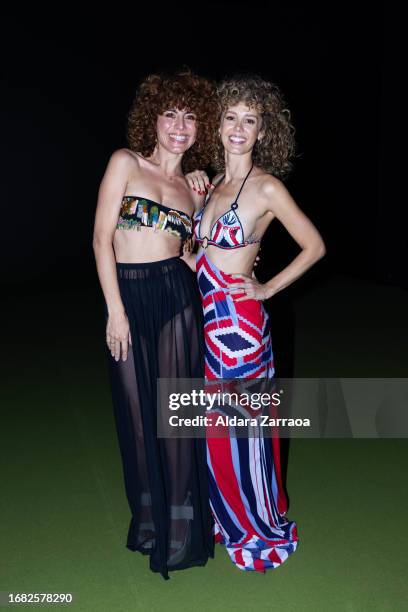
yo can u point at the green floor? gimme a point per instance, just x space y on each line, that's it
64 514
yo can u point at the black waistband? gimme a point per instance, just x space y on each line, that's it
148 264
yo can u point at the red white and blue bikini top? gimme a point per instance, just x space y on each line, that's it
227 231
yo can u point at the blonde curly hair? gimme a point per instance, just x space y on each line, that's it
273 153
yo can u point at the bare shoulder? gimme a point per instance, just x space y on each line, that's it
273 192
270 186
124 158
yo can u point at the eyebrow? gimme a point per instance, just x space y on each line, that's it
175 110
246 114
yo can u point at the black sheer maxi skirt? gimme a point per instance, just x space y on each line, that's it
165 479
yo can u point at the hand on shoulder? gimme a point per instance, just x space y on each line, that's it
198 181
200 186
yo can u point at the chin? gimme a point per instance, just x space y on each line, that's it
178 149
235 151
182 145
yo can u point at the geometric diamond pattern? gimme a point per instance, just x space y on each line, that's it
247 498
238 342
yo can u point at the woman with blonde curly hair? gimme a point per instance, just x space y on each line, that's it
143 224
252 148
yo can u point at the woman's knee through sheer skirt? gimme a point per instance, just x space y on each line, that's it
165 479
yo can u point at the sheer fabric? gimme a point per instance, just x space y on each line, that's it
165 479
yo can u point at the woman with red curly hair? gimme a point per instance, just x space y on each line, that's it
143 224
252 150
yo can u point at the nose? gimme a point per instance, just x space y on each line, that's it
180 124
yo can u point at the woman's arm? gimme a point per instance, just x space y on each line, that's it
200 184
190 259
302 230
111 191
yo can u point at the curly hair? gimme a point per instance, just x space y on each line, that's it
277 147
183 90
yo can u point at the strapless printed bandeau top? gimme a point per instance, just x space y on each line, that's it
139 212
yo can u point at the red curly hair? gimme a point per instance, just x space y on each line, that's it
183 90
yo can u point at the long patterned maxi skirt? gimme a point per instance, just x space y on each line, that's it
246 493
165 479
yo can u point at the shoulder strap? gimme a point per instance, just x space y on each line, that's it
242 186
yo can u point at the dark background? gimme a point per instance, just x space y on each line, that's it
68 81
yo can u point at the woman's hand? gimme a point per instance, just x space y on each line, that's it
256 262
198 181
118 335
253 289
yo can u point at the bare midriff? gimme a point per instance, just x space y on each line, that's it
233 261
144 245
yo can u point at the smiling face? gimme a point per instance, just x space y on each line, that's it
241 127
176 130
